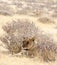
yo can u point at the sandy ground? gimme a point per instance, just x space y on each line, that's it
49 29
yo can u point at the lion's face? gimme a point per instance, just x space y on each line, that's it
28 43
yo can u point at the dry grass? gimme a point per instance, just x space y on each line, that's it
23 35
16 31
45 20
54 15
47 48
42 47
6 9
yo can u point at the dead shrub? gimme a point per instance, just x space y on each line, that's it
23 35
45 20
41 46
16 31
47 48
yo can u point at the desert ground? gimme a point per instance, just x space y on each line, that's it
42 13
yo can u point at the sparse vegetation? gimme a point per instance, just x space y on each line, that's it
27 7
45 20
43 47
23 35
6 9
54 15
16 32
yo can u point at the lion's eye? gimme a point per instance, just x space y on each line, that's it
27 42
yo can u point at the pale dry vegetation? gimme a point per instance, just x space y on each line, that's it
24 35
54 15
42 47
6 9
45 20
27 7
16 32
